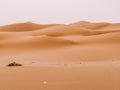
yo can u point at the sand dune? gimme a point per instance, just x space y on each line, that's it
9 35
21 27
89 25
77 56
35 42
52 35
97 26
63 30
108 38
111 27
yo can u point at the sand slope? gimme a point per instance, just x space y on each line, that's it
35 42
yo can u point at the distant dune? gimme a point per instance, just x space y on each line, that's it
21 27
97 26
24 35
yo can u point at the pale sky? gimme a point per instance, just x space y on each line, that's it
59 11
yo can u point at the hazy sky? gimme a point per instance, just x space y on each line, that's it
59 11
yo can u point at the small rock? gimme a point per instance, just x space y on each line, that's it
14 64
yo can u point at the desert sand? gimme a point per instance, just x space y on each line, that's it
77 56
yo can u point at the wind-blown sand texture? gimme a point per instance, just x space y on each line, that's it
77 56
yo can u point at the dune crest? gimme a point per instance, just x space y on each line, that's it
89 25
21 27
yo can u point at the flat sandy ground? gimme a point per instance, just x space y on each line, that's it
87 76
78 56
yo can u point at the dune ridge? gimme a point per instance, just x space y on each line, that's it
31 36
22 27
97 26
25 32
